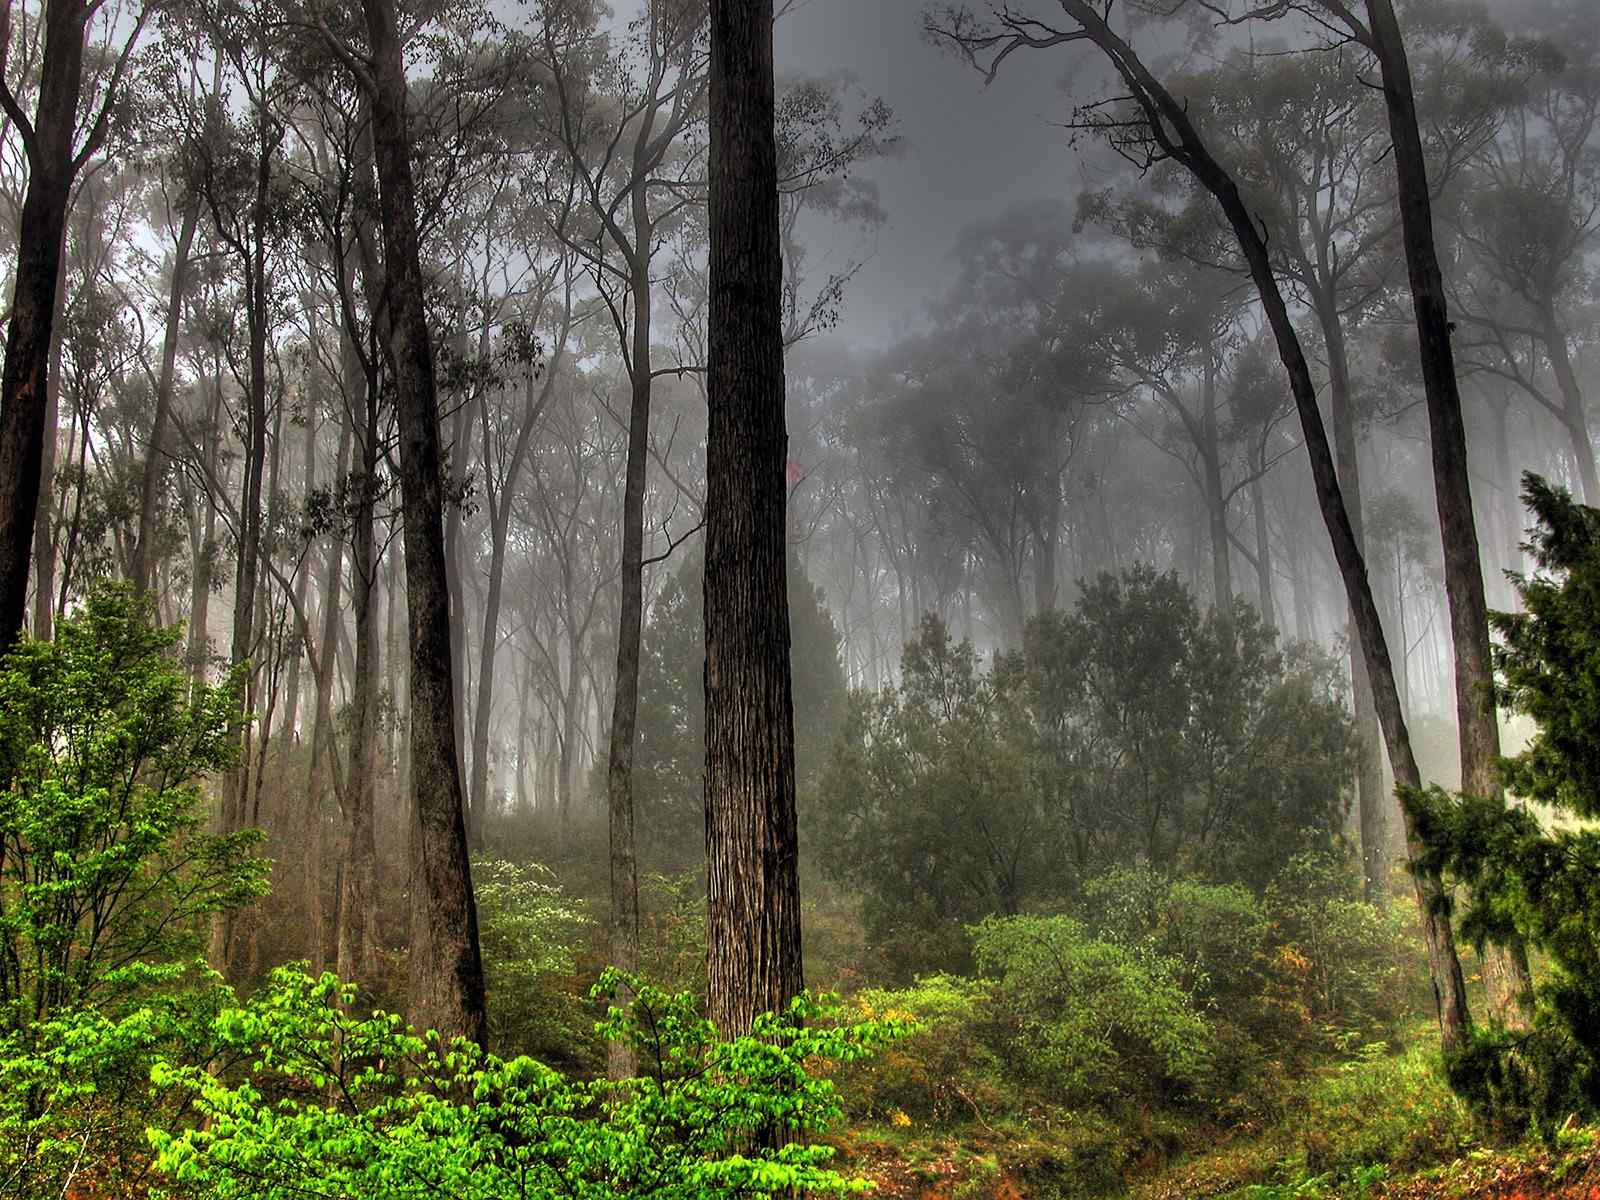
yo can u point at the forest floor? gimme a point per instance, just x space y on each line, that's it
967 1165
983 1163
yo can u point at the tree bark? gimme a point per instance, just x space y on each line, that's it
1505 967
752 849
47 141
447 991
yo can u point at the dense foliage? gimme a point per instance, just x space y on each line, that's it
1530 874
365 1109
1135 729
107 885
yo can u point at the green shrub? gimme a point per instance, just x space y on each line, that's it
1089 1020
107 885
948 1069
528 928
365 1109
1343 970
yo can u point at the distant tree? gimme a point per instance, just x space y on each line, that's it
1132 730
672 709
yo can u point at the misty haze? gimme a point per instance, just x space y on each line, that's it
756 598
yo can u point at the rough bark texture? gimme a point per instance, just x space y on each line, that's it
446 966
1505 967
752 879
33 305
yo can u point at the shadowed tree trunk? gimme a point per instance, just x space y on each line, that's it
446 965
1505 968
47 141
752 852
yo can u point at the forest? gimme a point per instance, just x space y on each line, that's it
757 598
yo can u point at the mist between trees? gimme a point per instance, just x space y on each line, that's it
459 532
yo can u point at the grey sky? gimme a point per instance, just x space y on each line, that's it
972 152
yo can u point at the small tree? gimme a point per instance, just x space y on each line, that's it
1528 878
106 882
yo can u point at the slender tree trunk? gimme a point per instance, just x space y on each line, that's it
1372 801
1574 411
44 536
624 870
752 846
155 462
322 735
354 939
1505 967
446 964
1258 505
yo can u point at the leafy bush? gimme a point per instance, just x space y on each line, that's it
365 1109
107 882
528 927
1344 970
947 1069
1090 1020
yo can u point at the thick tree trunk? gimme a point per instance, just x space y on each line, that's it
40 230
446 965
1505 967
752 847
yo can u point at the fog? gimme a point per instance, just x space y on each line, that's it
1117 455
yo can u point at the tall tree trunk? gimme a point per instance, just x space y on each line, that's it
322 735
1258 505
1372 802
40 237
354 937
500 524
1505 967
752 846
624 868
446 964
155 462
44 534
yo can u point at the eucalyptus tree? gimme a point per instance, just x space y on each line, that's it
1525 216
56 154
753 957
627 114
1152 125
